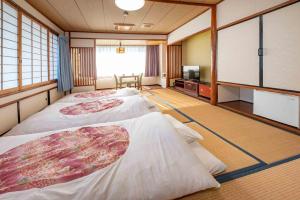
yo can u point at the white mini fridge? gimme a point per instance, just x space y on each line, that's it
278 107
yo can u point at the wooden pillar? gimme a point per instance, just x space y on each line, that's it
168 62
214 87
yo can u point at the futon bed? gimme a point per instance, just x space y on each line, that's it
140 158
66 115
99 94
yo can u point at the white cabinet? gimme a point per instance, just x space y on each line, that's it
279 107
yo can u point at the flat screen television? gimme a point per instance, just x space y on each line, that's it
191 73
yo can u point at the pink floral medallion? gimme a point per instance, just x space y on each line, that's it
95 94
91 107
61 157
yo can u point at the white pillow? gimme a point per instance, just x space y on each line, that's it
212 163
188 134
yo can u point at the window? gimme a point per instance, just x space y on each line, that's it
109 62
9 47
53 45
34 52
28 40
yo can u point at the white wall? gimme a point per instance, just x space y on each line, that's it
163 65
229 11
82 42
246 95
196 25
226 94
26 6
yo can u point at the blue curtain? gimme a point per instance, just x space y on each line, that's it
64 75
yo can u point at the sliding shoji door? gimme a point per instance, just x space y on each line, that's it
237 59
282 48
8 47
53 55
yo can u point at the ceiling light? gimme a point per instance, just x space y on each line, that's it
130 5
123 26
147 25
120 49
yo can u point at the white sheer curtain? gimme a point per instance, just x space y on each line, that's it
109 62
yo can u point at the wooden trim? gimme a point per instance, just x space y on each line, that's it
183 3
288 92
13 91
214 32
282 5
48 52
26 97
1 57
262 119
18 111
20 49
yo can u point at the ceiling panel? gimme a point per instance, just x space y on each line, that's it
92 11
100 15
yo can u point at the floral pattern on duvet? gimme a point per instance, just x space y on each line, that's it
95 94
91 107
61 157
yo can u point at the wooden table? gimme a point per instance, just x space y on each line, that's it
135 81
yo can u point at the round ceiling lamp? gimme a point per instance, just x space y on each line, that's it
130 5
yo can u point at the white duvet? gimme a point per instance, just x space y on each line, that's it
124 92
158 164
51 119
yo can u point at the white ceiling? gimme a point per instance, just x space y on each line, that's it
100 15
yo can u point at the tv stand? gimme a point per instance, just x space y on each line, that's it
193 88
187 86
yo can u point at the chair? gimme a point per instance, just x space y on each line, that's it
140 87
118 84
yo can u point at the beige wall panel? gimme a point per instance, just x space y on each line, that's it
282 48
82 42
27 93
33 105
55 95
8 118
196 25
237 58
233 10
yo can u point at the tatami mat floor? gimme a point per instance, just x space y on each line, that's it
277 183
246 146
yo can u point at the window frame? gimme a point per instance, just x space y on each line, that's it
20 87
